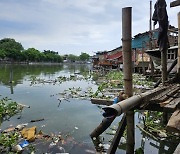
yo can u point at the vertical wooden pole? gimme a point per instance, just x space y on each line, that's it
106 122
127 69
11 78
150 19
150 39
164 66
127 51
165 118
164 62
143 67
118 135
178 65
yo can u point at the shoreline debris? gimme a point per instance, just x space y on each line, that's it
37 120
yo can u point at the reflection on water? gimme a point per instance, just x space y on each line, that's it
75 118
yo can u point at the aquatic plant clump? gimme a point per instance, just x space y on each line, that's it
115 79
138 79
8 108
154 127
59 80
8 140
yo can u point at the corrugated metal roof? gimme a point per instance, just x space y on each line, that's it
114 56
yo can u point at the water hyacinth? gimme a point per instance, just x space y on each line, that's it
8 108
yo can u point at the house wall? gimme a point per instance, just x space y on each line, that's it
142 40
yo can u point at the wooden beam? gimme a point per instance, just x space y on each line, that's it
178 65
101 101
106 122
118 135
175 3
177 151
174 122
168 71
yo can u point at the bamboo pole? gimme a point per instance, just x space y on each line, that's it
168 71
143 67
164 66
150 39
127 70
127 51
175 3
118 135
129 103
106 122
178 66
11 79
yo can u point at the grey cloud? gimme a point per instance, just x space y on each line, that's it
71 25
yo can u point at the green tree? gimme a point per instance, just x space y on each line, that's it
2 54
11 48
32 54
84 56
52 56
72 57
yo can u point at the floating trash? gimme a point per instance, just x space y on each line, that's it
52 144
24 143
106 146
29 133
21 126
123 140
17 148
76 128
89 151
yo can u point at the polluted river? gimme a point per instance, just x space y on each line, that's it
56 100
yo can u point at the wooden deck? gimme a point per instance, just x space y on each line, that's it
166 100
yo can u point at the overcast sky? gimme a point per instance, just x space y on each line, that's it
73 26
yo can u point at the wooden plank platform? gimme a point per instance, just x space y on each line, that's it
101 101
115 90
164 99
169 99
165 94
172 105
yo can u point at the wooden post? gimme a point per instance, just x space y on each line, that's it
127 69
175 3
118 135
143 67
150 39
168 71
178 66
164 66
106 122
11 78
127 51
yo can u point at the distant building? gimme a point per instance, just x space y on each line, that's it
140 43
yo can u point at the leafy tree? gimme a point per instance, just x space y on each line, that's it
32 54
72 57
11 48
84 56
14 50
42 56
52 56
2 54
